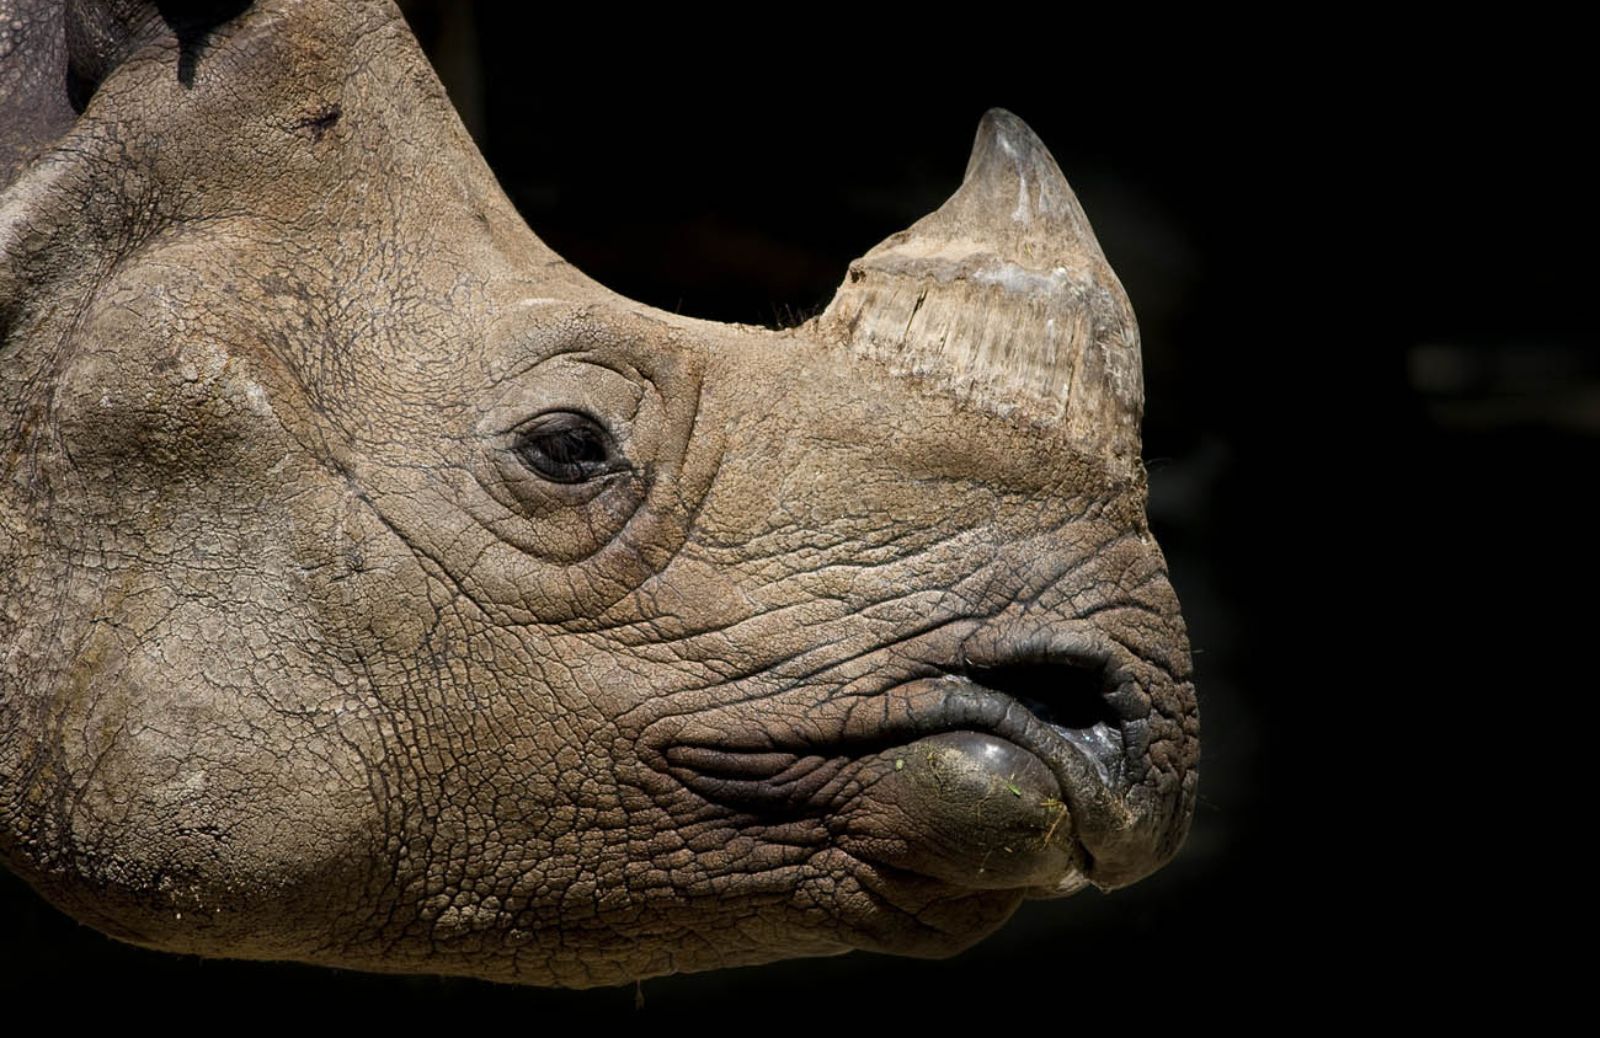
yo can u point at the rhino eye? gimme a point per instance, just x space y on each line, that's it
566 447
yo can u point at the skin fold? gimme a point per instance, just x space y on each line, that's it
848 635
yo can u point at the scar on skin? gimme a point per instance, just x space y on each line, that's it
317 124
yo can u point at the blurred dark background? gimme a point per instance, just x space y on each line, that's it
1361 265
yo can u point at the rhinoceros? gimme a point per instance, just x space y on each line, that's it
382 592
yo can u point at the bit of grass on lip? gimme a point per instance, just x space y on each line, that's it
1061 815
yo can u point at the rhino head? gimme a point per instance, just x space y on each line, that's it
381 591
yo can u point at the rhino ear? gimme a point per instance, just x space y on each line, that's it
101 34
1003 296
53 56
34 108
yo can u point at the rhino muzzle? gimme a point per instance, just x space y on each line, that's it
381 591
1022 760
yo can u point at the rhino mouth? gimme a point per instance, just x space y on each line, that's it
1012 771
1083 699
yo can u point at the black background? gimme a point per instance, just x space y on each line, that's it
1360 257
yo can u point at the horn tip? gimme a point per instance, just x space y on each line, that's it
1003 121
1006 142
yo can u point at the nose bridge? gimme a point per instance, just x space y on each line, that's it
901 440
867 482
821 449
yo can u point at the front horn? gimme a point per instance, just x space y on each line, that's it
1003 296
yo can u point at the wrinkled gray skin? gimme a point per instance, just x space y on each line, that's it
858 638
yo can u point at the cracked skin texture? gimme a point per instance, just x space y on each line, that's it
299 660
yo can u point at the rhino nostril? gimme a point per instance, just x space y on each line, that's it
1067 695
1074 696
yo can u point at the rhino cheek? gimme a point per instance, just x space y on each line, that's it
192 693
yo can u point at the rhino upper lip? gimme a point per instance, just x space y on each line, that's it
1078 689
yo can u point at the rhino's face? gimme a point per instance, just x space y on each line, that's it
382 592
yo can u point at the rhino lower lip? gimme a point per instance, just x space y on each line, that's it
1086 761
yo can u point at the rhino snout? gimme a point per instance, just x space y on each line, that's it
1023 765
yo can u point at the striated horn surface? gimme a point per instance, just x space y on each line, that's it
1003 296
